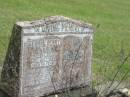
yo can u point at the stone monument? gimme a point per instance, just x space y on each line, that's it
46 56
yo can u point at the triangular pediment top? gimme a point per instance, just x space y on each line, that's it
51 20
55 24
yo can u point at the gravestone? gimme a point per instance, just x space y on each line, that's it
46 56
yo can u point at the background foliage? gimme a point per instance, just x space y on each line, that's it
110 18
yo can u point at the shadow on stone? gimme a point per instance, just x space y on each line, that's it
3 94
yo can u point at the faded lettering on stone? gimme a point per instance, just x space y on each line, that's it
40 57
60 27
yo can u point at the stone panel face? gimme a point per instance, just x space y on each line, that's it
46 56
41 59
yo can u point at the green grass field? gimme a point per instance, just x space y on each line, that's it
111 16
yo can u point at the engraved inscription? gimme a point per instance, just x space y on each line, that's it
41 52
59 27
43 56
73 59
41 61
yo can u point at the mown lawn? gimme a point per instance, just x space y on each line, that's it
110 19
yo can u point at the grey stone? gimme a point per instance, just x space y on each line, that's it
46 56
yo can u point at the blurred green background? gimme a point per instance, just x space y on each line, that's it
110 19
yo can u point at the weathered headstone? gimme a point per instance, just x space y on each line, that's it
46 56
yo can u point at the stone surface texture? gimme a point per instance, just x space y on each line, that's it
46 56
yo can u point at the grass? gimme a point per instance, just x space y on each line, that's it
112 16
